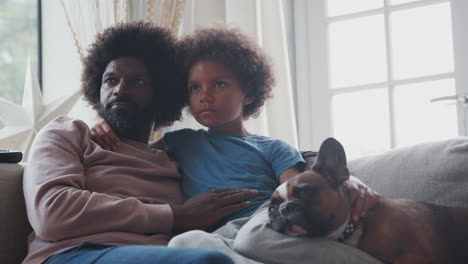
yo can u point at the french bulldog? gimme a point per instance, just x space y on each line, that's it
315 203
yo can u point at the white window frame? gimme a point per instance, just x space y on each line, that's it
313 69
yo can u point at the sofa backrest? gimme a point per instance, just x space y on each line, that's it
14 225
434 172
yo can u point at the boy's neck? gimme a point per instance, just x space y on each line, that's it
231 130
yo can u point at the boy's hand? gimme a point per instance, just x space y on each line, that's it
205 209
363 199
103 134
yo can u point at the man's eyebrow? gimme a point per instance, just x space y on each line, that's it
142 75
108 73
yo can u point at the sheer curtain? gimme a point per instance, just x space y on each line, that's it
86 18
264 21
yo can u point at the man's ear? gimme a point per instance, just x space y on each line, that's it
331 162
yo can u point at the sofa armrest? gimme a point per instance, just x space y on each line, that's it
14 225
434 172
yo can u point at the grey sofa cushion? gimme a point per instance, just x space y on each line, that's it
435 172
14 225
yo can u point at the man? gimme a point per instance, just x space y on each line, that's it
89 205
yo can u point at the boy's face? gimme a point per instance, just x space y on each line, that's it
216 99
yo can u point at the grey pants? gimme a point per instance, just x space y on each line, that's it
251 240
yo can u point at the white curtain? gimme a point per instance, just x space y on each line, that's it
264 21
86 18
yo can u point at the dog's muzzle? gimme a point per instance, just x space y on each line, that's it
289 218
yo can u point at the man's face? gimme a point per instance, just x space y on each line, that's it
126 96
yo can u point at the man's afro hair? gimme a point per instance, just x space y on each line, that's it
153 45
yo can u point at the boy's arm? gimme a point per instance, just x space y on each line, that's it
363 198
285 160
158 144
287 174
103 134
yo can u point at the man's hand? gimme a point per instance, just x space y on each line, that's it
205 209
103 134
363 199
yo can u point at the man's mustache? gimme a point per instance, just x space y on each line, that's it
121 100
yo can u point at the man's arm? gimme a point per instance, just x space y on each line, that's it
58 203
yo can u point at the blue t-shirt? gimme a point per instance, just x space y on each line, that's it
214 160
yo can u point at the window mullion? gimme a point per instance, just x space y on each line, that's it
390 78
460 51
39 40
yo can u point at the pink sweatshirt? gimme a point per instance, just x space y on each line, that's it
77 191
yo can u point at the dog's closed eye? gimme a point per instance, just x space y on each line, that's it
305 192
274 203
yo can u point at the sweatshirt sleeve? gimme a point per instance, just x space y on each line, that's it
58 204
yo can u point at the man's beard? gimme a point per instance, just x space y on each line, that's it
126 123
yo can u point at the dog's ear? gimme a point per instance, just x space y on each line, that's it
331 162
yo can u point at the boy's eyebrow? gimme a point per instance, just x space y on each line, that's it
226 76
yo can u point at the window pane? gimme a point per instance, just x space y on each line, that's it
422 41
340 7
397 2
417 119
18 40
357 51
361 122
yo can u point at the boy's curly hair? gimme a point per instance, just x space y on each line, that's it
236 51
153 45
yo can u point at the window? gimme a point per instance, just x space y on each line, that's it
19 39
390 64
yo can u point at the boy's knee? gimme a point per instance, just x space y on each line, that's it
187 239
246 241
253 235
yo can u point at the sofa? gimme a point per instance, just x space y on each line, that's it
435 172
14 225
